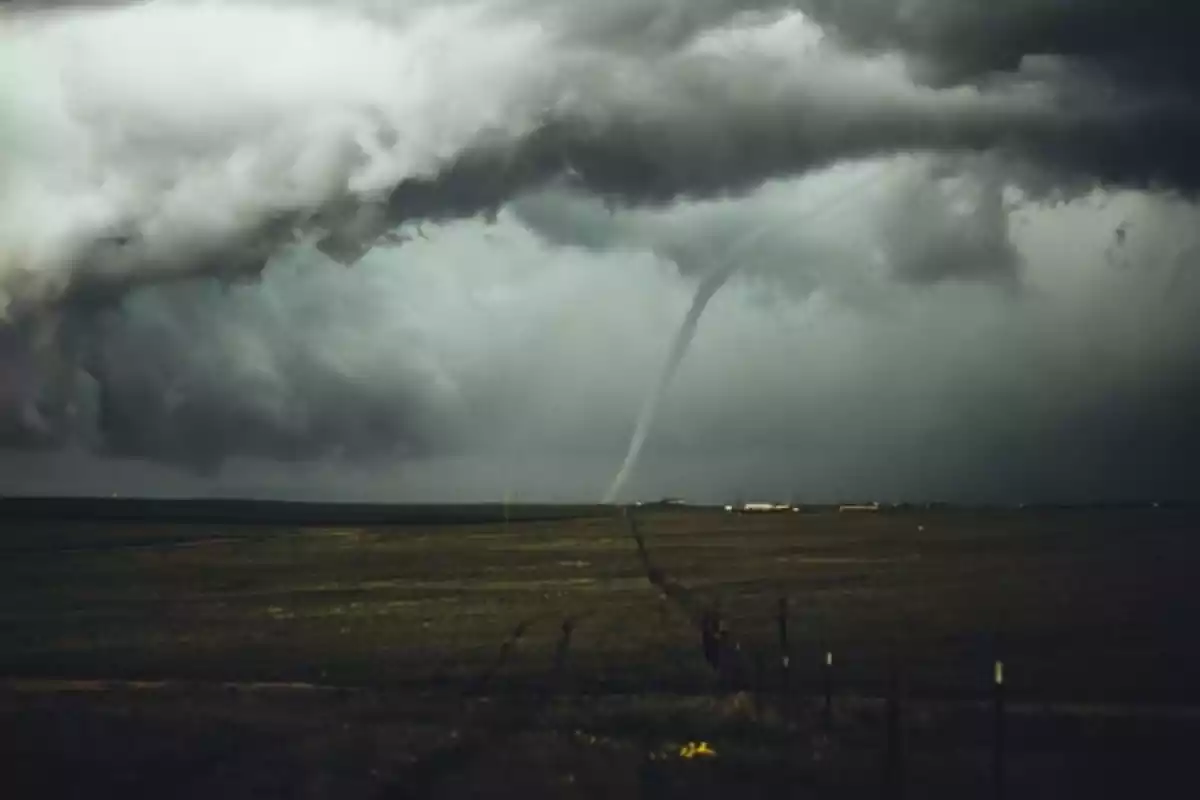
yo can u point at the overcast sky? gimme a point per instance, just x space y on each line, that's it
439 251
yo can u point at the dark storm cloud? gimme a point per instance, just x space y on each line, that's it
698 150
194 374
1125 81
1147 41
729 102
937 219
643 109
954 224
1110 49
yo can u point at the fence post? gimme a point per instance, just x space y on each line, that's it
827 679
998 735
560 656
785 656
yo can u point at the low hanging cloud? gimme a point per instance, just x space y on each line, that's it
477 356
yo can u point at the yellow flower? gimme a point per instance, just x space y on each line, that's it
694 749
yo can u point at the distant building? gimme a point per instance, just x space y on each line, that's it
852 507
760 508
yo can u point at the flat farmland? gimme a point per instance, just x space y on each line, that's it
1089 610
1085 606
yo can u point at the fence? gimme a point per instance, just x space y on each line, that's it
768 675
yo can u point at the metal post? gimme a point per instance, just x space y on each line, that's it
998 735
827 675
785 658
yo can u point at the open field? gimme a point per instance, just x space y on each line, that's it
399 629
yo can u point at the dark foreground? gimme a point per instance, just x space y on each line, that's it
429 659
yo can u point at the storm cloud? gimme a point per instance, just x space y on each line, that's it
960 237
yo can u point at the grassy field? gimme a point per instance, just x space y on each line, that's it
400 629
